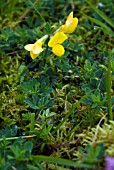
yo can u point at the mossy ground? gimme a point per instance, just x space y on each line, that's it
69 119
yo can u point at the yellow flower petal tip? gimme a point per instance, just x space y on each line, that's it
70 24
58 50
29 47
58 38
36 48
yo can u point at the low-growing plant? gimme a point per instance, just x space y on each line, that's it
65 79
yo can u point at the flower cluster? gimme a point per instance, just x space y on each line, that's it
56 40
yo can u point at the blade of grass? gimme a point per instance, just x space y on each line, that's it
61 161
37 10
106 29
108 88
101 14
32 122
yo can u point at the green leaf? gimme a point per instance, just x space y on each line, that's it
30 87
30 103
28 146
8 131
29 166
48 29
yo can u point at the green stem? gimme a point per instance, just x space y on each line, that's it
14 138
33 4
46 50
45 53
110 115
32 122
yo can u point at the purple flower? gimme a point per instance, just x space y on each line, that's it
109 163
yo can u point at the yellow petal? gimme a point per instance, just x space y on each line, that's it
70 24
63 28
37 48
70 16
33 56
71 28
58 38
38 43
69 19
29 47
58 50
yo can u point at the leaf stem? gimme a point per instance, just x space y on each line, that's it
109 103
46 50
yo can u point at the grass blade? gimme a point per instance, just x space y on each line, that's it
108 87
101 14
105 28
61 161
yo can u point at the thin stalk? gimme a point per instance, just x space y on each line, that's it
33 4
46 50
32 122
109 81
45 53
14 138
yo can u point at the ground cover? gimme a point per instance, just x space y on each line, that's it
57 109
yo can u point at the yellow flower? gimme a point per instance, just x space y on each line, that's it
70 24
56 41
36 48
